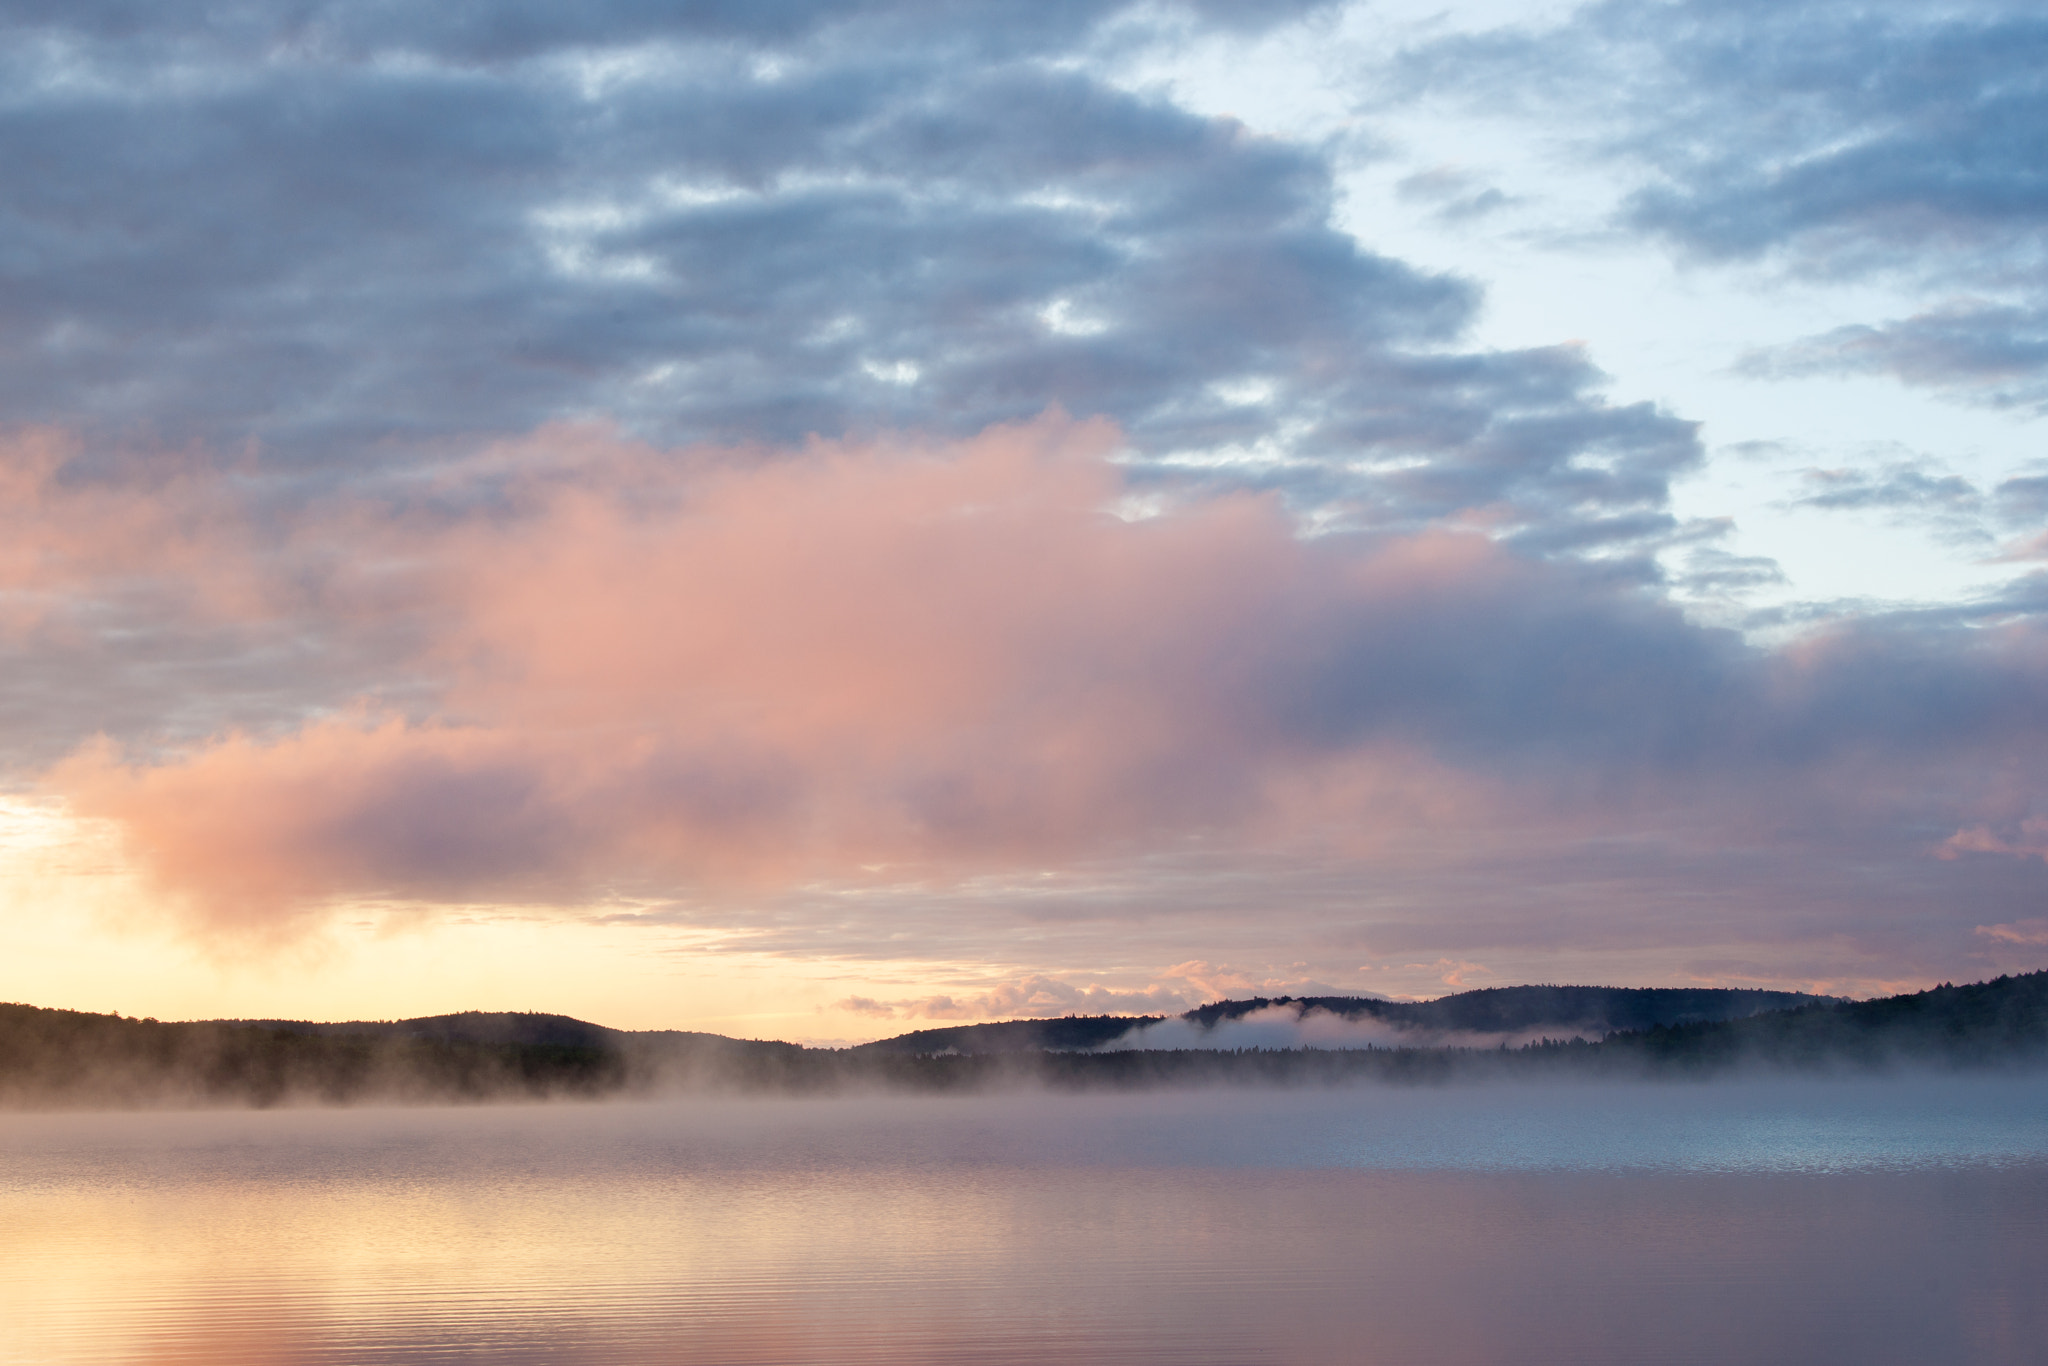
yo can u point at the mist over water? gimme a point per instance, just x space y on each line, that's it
1876 1221
1291 1026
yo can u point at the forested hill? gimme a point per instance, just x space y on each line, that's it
1592 1012
1589 1011
1014 1036
469 1026
71 1059
486 1027
1993 1023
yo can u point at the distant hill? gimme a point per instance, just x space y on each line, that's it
1984 1024
75 1060
489 1027
69 1058
1589 1011
2000 1025
1505 1010
1013 1036
469 1026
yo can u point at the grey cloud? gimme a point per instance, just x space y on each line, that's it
1455 193
2022 500
1563 675
1906 492
1849 907
480 31
1992 354
1755 450
1626 529
1861 134
1857 133
364 235
1579 692
1922 684
1515 431
1474 205
1791 793
1836 138
1518 671
726 228
1712 572
1434 185
340 243
1901 487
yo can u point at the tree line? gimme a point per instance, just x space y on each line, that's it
73 1059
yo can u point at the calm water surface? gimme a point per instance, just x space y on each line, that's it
1868 1222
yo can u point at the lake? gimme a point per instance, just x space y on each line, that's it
1797 1222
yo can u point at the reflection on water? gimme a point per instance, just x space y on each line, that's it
1818 1223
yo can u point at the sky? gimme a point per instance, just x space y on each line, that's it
807 520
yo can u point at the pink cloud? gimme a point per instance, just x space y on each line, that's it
2028 840
2025 933
1457 973
624 670
692 669
169 531
2026 549
1034 996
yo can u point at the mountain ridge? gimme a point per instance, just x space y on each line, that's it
1499 1009
73 1059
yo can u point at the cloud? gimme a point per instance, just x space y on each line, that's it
343 238
1276 1026
2028 840
2033 547
1833 140
483 32
2026 933
594 454
1295 1025
1899 487
1455 192
1994 354
152 598
270 229
1856 135
1709 571
1853 134
76 549
1910 492
2023 499
740 670
1034 996
338 250
654 671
